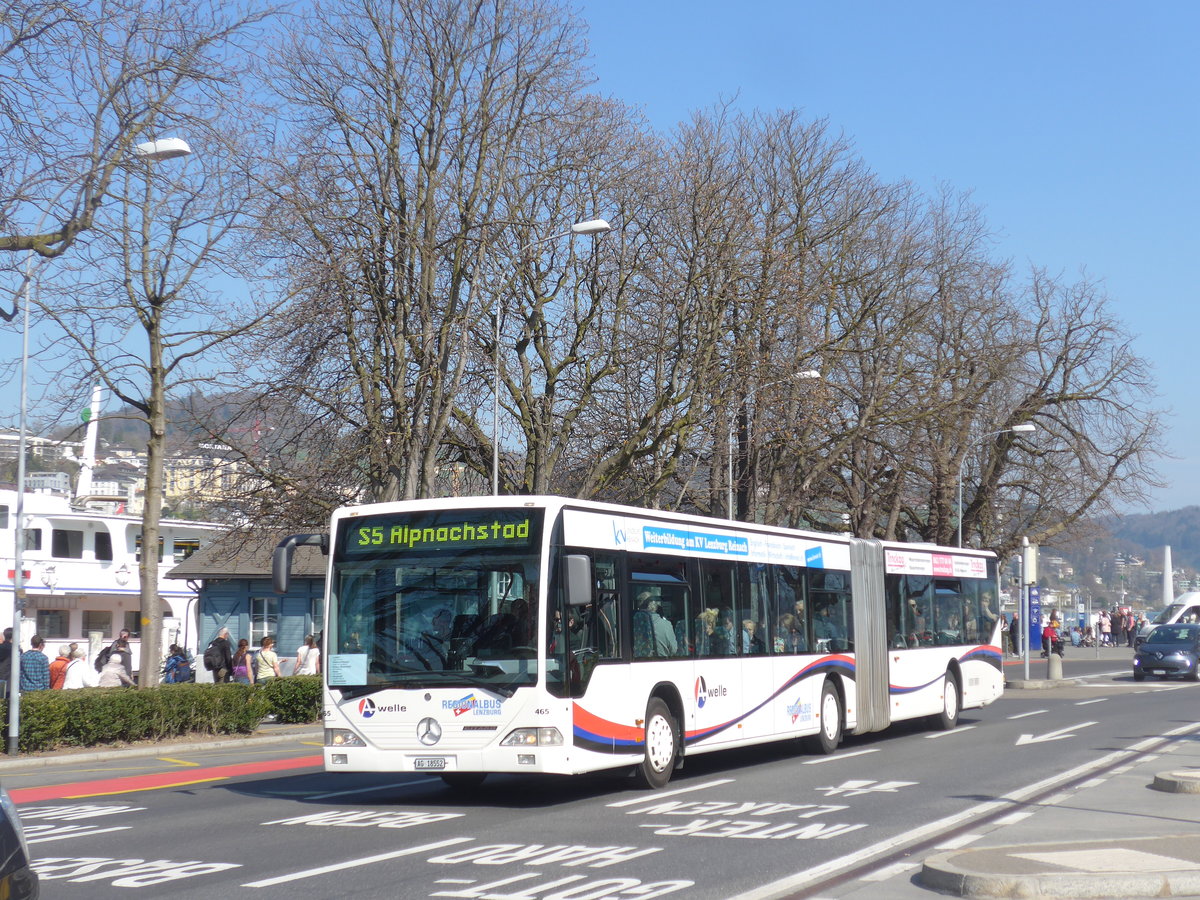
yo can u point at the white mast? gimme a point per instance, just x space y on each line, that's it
83 487
1168 587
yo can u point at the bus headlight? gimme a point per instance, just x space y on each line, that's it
533 737
342 737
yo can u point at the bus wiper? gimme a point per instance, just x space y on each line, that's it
505 689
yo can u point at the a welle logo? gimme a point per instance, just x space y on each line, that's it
704 693
368 708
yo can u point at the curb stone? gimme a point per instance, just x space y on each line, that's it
1016 870
1177 782
66 759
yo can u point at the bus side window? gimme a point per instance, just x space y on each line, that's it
659 591
721 636
833 627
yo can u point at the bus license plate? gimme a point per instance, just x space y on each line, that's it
429 762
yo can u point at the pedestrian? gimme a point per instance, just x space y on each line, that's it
1118 627
243 663
6 655
1004 635
267 664
35 667
218 657
58 668
1014 635
78 673
178 668
1105 629
308 657
114 673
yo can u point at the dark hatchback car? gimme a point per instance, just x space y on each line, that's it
1169 650
17 880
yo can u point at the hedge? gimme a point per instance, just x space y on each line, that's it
91 716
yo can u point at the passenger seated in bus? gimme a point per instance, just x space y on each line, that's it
706 625
827 629
788 636
652 634
724 636
752 642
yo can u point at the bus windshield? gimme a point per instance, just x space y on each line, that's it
435 599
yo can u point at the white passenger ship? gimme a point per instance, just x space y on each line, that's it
81 563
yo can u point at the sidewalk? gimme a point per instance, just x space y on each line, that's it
1127 832
266 733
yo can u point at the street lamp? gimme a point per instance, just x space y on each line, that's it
1016 429
804 375
589 226
165 148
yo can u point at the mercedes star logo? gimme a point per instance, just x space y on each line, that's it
429 732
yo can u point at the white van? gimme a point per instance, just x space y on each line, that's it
1186 608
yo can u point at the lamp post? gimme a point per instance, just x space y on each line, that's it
1016 429
804 375
166 148
590 226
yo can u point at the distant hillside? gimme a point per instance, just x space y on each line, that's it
1179 528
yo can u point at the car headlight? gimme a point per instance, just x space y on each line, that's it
342 737
533 737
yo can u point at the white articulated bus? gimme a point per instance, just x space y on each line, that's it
540 634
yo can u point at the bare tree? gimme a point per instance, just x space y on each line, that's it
141 307
81 83
410 120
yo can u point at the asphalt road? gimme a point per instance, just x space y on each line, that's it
768 822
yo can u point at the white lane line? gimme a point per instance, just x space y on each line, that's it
1089 702
1055 799
355 863
942 734
1094 782
1013 818
790 883
658 795
839 756
1036 712
890 871
960 841
372 788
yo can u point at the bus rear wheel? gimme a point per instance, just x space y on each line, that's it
662 746
951 704
826 740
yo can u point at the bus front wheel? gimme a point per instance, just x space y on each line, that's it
951 704
826 740
662 746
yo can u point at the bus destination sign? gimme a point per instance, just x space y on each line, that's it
462 530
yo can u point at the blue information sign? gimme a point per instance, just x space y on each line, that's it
1035 617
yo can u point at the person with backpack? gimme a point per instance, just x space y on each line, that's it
119 646
178 668
218 657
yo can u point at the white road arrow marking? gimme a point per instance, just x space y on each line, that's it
1059 735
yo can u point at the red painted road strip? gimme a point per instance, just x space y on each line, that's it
177 777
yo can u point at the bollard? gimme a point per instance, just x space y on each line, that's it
1054 667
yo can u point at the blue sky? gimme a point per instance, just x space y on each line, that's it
1074 124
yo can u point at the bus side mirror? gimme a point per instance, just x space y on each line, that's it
281 559
579 580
